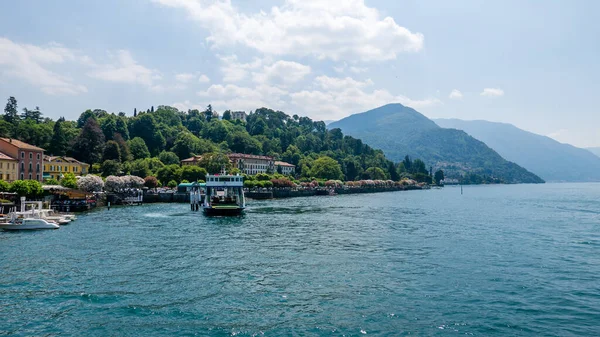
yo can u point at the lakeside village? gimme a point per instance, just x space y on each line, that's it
169 155
63 184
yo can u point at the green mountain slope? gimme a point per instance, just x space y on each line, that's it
401 131
551 160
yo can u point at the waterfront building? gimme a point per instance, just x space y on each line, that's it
252 164
55 167
246 163
286 168
8 168
29 157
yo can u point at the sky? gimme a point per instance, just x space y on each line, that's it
533 64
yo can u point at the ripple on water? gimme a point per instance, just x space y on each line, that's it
499 260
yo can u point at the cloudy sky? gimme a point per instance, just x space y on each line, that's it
530 63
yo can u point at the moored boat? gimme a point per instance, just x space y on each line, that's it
28 224
224 194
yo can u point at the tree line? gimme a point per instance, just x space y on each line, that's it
153 141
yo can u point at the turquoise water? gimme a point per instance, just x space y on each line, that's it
499 260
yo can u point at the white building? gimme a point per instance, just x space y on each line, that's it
286 168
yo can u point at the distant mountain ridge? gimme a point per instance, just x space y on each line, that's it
544 156
594 150
401 131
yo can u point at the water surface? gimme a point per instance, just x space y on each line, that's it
518 260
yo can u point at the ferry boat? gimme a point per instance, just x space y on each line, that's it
224 194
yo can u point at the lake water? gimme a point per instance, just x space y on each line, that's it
519 260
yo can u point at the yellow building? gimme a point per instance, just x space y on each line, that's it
55 167
8 168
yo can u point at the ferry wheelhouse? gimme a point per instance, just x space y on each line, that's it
224 194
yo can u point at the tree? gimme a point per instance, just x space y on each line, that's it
109 126
26 188
151 182
138 148
4 186
11 112
69 180
123 147
121 128
140 168
111 167
84 117
51 181
59 143
90 183
193 173
146 127
326 168
393 173
214 162
134 112
208 112
168 158
168 173
375 173
112 151
227 115
34 115
89 145
438 177
172 184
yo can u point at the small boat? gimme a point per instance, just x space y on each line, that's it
28 224
224 194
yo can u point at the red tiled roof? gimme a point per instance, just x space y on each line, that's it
4 156
22 145
248 156
282 163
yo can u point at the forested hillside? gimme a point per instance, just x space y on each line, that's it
152 142
401 131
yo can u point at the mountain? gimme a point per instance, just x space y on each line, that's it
551 160
401 131
594 150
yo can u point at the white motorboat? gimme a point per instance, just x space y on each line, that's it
28 224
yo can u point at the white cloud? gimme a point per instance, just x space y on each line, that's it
184 77
338 97
124 69
235 71
203 79
234 97
345 29
281 72
456 94
492 92
31 64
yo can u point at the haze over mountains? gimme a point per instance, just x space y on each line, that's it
544 156
401 131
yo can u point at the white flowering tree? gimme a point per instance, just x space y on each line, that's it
133 181
90 183
113 184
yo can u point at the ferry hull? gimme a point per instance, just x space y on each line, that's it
217 211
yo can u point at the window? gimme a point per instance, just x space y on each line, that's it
0 165
75 169
37 177
22 166
13 166
8 177
23 154
38 156
30 167
29 176
22 176
30 155
1 176
66 169
37 167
